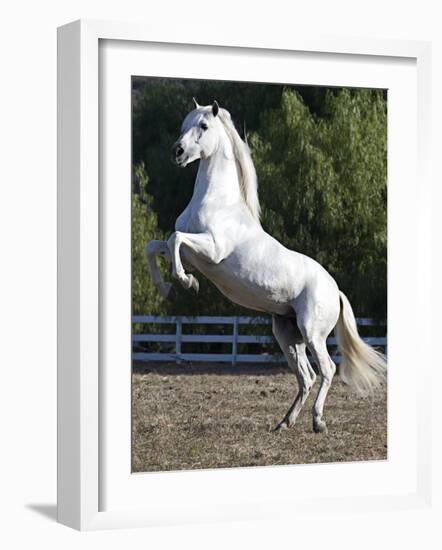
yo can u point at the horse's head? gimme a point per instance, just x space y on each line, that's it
200 134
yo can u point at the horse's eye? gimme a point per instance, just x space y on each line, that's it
204 126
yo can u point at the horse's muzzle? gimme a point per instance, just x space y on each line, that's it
177 153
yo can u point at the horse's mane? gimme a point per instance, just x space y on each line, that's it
248 181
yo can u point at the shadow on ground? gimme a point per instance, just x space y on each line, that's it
49 511
182 369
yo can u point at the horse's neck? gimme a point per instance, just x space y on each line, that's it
217 180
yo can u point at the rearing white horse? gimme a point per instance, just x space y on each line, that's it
219 234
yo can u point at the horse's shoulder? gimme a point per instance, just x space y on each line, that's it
182 222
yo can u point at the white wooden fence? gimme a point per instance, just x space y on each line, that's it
177 338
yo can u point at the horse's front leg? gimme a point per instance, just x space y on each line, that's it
152 250
201 244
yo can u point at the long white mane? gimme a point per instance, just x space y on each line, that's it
248 181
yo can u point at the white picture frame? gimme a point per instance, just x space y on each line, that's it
79 370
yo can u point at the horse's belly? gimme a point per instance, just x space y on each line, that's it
256 300
243 287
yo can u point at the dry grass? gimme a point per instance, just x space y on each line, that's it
217 416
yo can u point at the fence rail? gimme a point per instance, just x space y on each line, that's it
234 338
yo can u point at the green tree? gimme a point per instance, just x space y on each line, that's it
320 155
145 297
323 187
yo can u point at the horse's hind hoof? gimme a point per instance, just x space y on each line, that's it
319 426
283 425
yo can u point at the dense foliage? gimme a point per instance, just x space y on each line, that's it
321 159
145 228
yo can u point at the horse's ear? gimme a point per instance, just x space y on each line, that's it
215 108
196 103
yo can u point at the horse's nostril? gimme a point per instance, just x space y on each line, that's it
179 151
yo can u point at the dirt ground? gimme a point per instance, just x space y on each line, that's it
190 417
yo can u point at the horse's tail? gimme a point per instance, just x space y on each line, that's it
363 368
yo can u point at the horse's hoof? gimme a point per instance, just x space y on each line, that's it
168 292
319 426
172 294
194 284
283 425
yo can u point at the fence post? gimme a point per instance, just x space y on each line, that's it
235 340
178 333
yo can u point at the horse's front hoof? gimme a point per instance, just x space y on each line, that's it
167 291
172 294
194 284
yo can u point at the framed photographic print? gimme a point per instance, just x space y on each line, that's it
234 222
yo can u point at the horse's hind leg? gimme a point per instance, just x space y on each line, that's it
290 341
327 369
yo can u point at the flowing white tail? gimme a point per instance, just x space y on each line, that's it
362 367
